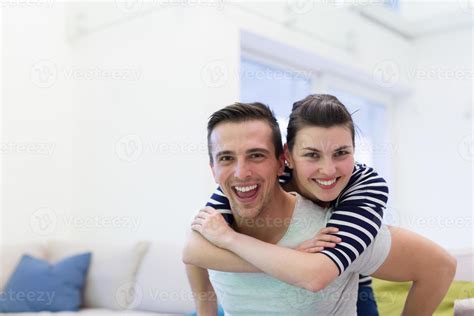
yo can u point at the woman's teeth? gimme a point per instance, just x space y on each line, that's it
246 189
328 182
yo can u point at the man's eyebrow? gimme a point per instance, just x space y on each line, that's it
257 150
224 152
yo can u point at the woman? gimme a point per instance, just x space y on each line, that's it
330 178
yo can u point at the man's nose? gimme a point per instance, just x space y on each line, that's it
242 170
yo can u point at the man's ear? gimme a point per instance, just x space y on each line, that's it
288 158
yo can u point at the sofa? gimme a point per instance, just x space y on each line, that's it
142 278
148 278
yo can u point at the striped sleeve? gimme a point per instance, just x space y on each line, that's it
220 202
357 213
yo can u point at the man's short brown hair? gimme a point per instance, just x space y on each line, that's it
241 112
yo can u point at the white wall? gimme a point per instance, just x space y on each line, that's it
433 134
127 109
90 187
36 124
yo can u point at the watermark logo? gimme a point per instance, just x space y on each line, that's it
27 3
467 6
129 295
215 74
43 149
44 221
392 217
386 73
300 6
466 148
129 6
129 148
44 73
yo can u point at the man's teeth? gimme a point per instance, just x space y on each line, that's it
246 189
329 182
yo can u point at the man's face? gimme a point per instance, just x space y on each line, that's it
245 166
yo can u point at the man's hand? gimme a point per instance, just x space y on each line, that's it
212 226
322 239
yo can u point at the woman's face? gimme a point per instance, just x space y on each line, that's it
322 160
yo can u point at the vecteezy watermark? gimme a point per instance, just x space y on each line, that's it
306 6
466 148
215 74
467 6
300 6
45 221
129 295
132 6
131 148
45 73
386 73
44 297
441 73
438 222
27 3
44 149
377 148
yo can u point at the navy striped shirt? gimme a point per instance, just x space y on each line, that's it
357 213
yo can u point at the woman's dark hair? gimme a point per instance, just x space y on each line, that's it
322 110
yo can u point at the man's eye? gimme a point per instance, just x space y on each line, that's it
225 158
257 155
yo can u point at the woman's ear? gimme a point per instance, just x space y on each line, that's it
289 160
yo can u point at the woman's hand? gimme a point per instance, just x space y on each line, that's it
212 226
322 239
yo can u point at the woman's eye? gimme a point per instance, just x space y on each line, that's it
341 153
311 155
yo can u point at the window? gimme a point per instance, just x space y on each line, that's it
276 87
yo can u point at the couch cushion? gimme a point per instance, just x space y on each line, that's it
111 273
161 284
37 285
10 255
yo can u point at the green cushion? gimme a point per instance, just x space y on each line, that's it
391 296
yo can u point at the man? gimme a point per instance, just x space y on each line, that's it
246 159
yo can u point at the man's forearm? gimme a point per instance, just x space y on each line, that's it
417 259
200 252
311 271
203 292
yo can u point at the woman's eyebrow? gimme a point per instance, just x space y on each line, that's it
337 149
311 148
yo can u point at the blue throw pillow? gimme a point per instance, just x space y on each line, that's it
37 285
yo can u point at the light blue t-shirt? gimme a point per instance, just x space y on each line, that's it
261 294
